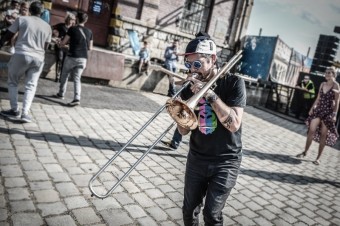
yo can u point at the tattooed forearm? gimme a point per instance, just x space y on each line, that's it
230 119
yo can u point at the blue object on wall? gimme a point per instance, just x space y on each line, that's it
134 41
257 56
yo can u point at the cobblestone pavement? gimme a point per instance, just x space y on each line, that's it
46 166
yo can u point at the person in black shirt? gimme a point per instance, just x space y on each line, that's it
59 32
80 40
215 152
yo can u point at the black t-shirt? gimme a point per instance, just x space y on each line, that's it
80 38
62 29
211 140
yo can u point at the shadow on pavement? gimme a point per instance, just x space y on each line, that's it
287 178
93 96
273 157
90 142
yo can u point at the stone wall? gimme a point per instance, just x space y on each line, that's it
158 23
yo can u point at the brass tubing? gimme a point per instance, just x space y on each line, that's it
102 196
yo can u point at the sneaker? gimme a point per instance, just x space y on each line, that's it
74 103
58 96
10 113
169 145
26 118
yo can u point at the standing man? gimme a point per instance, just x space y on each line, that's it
307 96
80 40
171 59
34 34
215 152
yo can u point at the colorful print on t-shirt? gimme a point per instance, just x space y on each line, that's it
207 118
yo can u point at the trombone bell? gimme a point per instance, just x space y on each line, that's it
182 114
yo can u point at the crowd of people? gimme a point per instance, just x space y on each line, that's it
29 34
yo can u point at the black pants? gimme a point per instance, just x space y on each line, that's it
212 180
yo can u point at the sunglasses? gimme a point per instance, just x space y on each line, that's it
197 64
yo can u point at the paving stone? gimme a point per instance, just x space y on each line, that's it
157 181
63 220
177 184
8 161
146 186
146 221
2 201
230 211
242 220
165 203
59 177
32 165
323 214
75 202
108 203
157 213
24 219
46 196
81 180
135 211
248 213
138 179
15 182
7 153
169 223
67 189
236 204
86 216
41 185
37 175
74 170
11 171
114 217
22 206
3 214
53 168
52 208
154 193
288 218
319 220
267 214
26 157
143 200
124 198
175 213
3 223
18 194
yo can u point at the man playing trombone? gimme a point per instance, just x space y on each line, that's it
215 151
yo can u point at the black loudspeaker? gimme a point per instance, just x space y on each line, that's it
325 53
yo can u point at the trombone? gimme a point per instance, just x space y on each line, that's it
181 112
102 196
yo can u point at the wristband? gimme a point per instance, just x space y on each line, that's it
211 97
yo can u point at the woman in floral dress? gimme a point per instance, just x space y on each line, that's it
322 116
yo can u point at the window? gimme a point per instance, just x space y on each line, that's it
195 16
